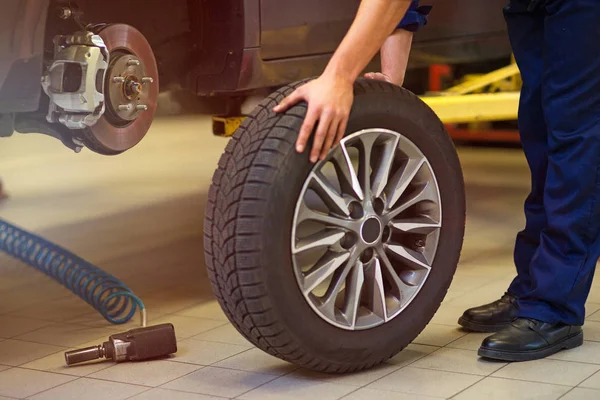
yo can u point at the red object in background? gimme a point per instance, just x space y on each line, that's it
437 73
484 135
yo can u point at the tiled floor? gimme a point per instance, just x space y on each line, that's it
139 216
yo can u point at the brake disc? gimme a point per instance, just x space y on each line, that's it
131 92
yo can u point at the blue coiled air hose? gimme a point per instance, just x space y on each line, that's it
105 293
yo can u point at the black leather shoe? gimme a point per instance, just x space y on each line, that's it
528 339
491 317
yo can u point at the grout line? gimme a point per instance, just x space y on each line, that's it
138 394
566 393
468 387
53 387
264 384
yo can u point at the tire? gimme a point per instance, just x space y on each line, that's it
249 220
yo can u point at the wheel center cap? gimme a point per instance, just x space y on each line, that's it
371 230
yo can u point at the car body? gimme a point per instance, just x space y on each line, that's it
228 47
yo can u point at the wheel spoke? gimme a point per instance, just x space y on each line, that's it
329 195
346 173
364 164
375 293
399 288
423 225
382 174
324 268
337 281
414 258
353 291
324 238
305 213
401 179
427 193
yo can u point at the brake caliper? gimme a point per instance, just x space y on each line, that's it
74 82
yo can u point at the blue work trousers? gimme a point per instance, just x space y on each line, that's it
556 44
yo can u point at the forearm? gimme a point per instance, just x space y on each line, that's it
374 22
394 55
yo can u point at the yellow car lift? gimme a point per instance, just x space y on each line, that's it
478 99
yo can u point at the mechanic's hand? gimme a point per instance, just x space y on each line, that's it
329 101
378 76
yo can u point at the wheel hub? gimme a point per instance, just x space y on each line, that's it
371 230
366 229
127 86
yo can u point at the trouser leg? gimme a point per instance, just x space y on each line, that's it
526 33
562 268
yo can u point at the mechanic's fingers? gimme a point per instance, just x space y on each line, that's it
289 101
325 121
307 128
331 135
341 130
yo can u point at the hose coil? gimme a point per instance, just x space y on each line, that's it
105 293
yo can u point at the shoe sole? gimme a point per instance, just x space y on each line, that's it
484 328
565 344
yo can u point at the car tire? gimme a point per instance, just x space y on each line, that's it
250 219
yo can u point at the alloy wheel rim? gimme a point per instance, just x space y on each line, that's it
364 238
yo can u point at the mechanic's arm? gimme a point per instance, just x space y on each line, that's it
394 58
396 49
330 96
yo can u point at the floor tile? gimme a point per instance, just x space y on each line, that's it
90 389
477 297
292 388
224 334
166 394
205 353
582 394
588 353
374 394
211 310
68 335
56 310
426 382
505 389
458 360
357 379
591 309
17 352
219 382
548 371
11 326
593 382
471 341
448 314
591 331
148 373
256 360
439 335
412 353
56 363
21 383
186 327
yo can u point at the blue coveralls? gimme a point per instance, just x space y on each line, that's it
557 48
556 44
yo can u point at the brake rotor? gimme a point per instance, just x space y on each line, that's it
130 91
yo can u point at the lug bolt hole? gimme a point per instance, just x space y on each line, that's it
348 241
420 244
387 234
366 255
379 205
356 210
